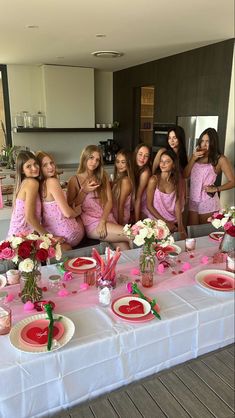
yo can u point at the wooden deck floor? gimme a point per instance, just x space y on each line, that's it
200 388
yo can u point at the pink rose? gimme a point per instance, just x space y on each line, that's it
51 252
160 232
228 225
38 243
160 254
135 230
7 253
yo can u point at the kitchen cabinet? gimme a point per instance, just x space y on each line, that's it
146 114
48 130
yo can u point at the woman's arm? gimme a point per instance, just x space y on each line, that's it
225 166
73 191
31 189
54 188
195 156
101 227
143 181
124 193
178 215
157 158
152 184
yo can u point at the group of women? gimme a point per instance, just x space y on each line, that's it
99 208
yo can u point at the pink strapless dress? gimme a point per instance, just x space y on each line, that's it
55 222
127 210
164 203
92 212
18 224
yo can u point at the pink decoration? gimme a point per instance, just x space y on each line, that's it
186 266
9 297
28 306
135 271
63 293
129 287
160 268
205 259
67 276
84 286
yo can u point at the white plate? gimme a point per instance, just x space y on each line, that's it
217 235
177 248
3 281
125 301
83 267
202 274
69 329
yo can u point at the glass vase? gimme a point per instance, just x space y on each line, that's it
227 243
29 286
147 264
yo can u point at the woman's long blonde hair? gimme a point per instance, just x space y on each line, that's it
116 189
99 173
21 159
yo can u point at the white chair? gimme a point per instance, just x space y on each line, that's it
202 230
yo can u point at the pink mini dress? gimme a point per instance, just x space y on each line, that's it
127 210
18 224
92 212
202 175
164 203
55 222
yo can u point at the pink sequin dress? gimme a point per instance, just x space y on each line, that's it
202 175
92 212
164 203
127 210
18 224
57 224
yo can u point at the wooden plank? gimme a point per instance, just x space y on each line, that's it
123 405
165 399
103 409
214 382
82 411
62 414
231 349
144 402
226 358
223 371
206 396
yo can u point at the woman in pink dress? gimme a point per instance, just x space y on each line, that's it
163 201
203 168
142 174
122 188
90 187
26 215
57 216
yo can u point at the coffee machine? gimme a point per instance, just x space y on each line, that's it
109 150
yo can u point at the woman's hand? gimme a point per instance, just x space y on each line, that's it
172 226
101 229
89 186
77 209
198 153
210 188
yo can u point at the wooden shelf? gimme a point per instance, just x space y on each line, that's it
146 130
48 130
147 104
147 117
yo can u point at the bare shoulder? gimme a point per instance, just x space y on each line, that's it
30 183
145 174
126 181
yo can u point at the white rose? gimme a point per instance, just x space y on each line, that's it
216 223
58 253
15 259
139 240
46 240
32 237
126 228
26 265
143 232
15 241
224 221
44 245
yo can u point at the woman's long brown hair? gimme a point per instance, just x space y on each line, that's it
116 189
21 159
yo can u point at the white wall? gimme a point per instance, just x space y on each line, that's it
227 197
26 93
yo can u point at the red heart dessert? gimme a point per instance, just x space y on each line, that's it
79 262
167 249
134 307
221 283
36 333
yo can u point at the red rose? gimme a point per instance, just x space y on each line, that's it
5 244
219 216
42 254
25 249
231 231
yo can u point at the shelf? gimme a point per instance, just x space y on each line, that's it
147 104
147 117
146 130
48 130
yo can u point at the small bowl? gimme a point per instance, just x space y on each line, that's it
13 276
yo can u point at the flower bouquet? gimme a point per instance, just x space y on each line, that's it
225 218
28 252
148 233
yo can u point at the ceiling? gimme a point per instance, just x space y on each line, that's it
143 30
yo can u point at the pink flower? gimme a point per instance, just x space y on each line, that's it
28 306
67 276
135 229
38 243
186 266
7 253
160 268
228 225
160 254
51 252
160 233
129 287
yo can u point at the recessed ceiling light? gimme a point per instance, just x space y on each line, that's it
107 54
100 35
32 26
60 58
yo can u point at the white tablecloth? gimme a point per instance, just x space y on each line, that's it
107 352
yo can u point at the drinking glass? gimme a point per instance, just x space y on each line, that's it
190 245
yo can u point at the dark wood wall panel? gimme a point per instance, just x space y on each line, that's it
196 82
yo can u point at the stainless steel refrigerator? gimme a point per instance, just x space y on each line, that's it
194 126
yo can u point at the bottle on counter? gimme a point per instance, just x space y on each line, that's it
39 120
28 119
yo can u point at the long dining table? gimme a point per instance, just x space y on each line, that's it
106 351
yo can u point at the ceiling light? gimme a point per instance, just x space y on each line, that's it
32 26
100 35
107 54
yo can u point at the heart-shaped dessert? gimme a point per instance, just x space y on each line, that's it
220 282
133 307
79 262
36 333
